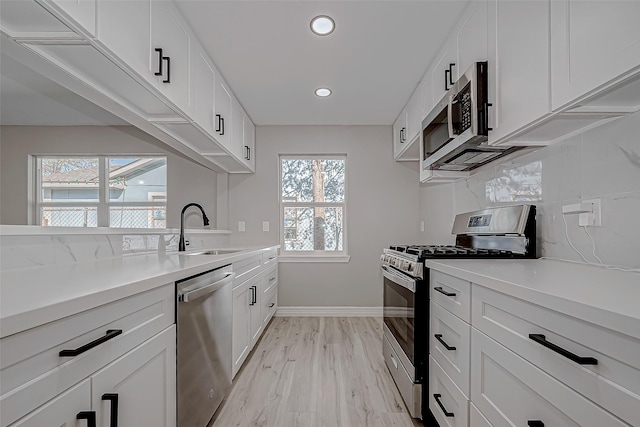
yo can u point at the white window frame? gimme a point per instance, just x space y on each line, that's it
103 204
314 256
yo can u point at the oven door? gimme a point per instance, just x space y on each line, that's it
399 308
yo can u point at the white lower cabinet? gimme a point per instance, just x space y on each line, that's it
510 391
448 404
241 337
121 354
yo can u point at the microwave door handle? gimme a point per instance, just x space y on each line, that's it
450 117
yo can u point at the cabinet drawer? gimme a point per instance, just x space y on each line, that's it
447 403
449 330
245 268
511 391
269 304
31 370
270 279
613 383
270 256
452 293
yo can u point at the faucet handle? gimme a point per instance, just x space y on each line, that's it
186 243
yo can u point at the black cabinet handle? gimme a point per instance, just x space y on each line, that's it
111 333
439 338
113 398
446 413
451 65
535 423
403 135
219 117
442 291
221 126
247 152
255 295
272 304
159 72
168 79
542 340
446 79
90 416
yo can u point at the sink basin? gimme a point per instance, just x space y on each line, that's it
214 252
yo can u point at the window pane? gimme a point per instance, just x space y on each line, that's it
137 179
69 216
69 180
309 229
317 180
138 217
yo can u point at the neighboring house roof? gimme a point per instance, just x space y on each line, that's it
88 177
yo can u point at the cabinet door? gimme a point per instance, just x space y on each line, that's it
427 94
145 382
249 143
415 114
223 115
400 134
124 27
592 42
204 97
241 344
256 315
62 410
169 33
472 37
237 130
81 11
444 70
518 66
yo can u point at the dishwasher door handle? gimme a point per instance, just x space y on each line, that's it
197 293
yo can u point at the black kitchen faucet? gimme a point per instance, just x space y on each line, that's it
181 245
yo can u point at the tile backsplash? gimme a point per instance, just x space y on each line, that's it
601 163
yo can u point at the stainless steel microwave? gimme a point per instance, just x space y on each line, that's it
456 128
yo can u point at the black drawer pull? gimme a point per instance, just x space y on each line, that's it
535 423
446 80
159 72
111 333
439 338
442 291
451 73
272 304
542 340
90 416
446 413
113 398
218 124
168 79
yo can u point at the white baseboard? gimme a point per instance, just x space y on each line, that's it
304 311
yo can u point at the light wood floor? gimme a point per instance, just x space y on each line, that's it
318 372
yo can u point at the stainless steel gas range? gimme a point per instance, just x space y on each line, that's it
502 232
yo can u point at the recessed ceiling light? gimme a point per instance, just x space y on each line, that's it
322 25
323 92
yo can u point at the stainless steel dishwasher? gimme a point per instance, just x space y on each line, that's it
203 321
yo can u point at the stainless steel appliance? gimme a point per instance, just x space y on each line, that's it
204 344
453 133
503 232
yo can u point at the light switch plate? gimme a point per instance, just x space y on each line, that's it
265 225
241 226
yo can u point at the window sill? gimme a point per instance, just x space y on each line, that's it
314 258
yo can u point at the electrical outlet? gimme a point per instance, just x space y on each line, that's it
589 211
421 225
241 226
265 225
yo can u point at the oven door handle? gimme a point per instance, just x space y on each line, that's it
399 278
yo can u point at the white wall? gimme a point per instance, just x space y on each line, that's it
382 210
601 163
186 180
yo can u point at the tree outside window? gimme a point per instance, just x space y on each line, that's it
313 204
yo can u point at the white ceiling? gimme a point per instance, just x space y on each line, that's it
265 50
273 62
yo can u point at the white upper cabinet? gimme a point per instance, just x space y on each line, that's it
415 114
237 130
399 133
223 115
249 143
204 78
124 27
81 11
593 43
170 55
445 70
472 37
518 66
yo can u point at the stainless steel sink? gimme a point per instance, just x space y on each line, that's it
214 252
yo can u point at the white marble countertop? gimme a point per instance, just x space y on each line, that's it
35 296
610 298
